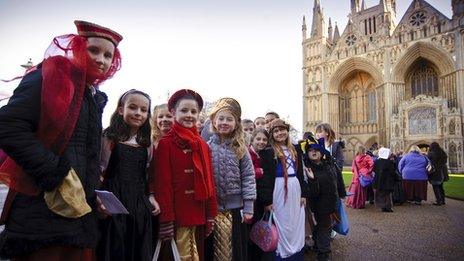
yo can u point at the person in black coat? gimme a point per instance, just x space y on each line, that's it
264 164
51 126
384 180
323 192
439 172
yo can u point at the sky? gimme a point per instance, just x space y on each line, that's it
246 49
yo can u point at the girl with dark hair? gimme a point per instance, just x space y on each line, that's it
324 130
439 174
126 149
264 165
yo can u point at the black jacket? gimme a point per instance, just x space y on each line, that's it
385 175
323 190
31 225
265 185
440 170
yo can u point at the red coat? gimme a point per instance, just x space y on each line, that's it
362 165
173 185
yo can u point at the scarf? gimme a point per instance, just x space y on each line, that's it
202 165
64 74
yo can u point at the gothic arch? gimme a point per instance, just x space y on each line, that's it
351 65
439 57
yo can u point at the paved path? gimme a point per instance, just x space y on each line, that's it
420 233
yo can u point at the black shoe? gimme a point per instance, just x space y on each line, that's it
417 203
437 203
388 210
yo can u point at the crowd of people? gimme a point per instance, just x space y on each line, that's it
386 178
190 185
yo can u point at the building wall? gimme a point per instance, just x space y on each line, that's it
363 82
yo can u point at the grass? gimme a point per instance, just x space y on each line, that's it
453 188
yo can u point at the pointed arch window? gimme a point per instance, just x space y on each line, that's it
372 106
424 81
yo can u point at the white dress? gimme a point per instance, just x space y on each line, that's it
289 215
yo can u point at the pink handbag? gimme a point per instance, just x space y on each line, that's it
264 234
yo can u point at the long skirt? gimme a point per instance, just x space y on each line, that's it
358 199
415 190
383 199
289 217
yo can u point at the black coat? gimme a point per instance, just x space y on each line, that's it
30 224
265 185
440 174
323 190
385 175
337 153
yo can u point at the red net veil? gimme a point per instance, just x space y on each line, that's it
65 77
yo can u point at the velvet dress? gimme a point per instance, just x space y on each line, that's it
128 237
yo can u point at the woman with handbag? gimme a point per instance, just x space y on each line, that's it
413 168
439 174
362 173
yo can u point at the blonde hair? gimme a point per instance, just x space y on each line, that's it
237 136
328 129
360 150
414 148
155 131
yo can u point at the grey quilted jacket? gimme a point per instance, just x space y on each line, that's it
235 178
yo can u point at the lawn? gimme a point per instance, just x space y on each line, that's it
453 188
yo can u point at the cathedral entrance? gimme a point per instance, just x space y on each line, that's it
358 112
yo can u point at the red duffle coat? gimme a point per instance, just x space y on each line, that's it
173 185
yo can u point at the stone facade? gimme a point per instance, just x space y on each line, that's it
395 84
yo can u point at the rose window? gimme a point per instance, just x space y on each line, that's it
350 39
417 19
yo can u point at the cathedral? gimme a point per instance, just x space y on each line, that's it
379 81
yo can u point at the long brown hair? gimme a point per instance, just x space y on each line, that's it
328 129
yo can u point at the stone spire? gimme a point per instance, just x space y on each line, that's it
363 5
330 32
336 35
317 26
303 27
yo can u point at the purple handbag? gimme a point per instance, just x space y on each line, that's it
264 234
364 180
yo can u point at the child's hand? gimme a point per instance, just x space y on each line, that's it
101 209
309 172
303 202
247 218
156 208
